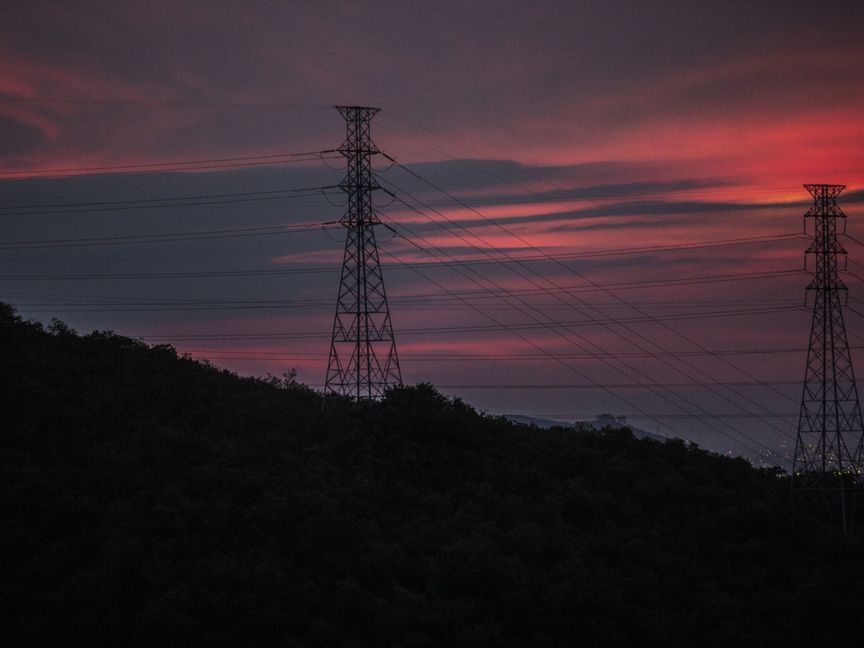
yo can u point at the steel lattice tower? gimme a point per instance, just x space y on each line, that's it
830 431
363 361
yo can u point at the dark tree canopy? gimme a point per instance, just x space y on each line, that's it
152 500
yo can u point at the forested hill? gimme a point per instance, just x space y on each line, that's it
150 500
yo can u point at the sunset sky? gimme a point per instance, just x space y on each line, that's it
655 151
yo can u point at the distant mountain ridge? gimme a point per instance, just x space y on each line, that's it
602 421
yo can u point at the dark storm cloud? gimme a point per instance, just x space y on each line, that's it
633 215
19 137
618 176
53 196
517 71
594 192
852 197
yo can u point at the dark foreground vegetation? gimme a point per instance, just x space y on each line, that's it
150 500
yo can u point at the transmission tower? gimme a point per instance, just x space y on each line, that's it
363 361
830 431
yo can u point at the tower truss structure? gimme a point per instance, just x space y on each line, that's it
363 362
828 446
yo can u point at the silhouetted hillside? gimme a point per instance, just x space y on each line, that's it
150 500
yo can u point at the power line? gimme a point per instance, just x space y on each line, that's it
527 357
569 269
661 415
543 351
613 251
88 101
172 237
450 329
49 175
437 302
854 239
564 290
181 165
679 385
162 202
607 325
690 403
527 172
558 332
602 386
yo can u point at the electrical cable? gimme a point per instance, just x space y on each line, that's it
184 165
608 326
174 237
162 202
568 268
